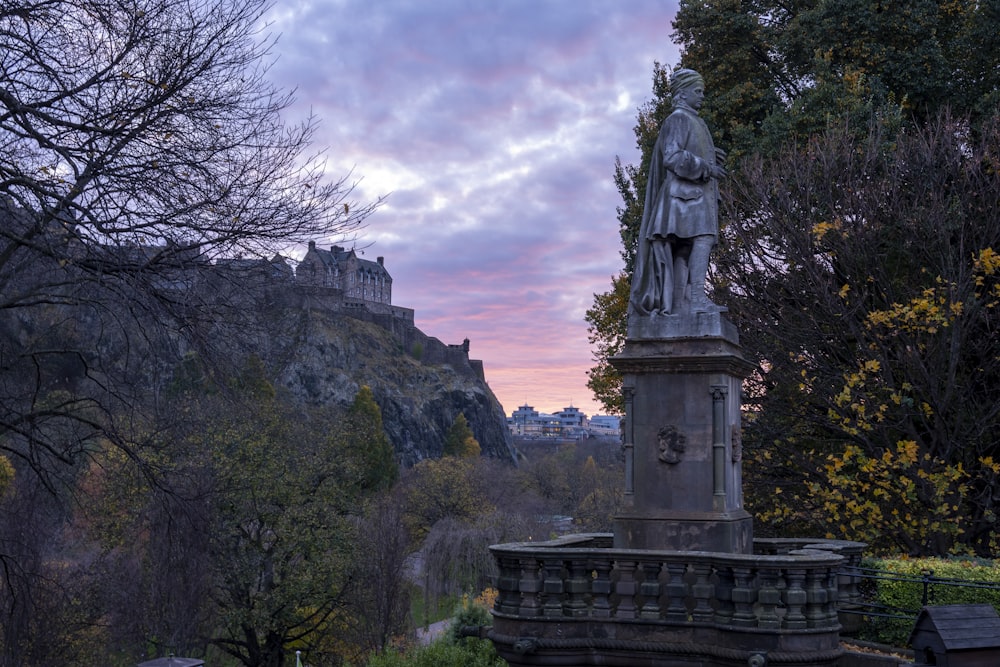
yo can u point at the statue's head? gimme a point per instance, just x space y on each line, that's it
683 79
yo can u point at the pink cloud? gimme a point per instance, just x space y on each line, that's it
495 127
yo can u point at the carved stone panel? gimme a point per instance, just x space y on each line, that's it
672 444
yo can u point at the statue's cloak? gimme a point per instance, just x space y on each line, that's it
681 203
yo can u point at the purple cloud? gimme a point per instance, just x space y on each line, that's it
493 127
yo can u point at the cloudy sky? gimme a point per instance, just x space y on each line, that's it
493 127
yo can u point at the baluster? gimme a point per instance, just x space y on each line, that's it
833 595
530 587
816 598
743 598
677 593
795 600
724 595
769 598
650 589
601 588
577 588
552 586
508 596
703 591
626 588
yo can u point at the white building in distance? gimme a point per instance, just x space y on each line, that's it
569 423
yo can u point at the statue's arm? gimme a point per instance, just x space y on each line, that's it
677 158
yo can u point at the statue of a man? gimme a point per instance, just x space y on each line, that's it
680 222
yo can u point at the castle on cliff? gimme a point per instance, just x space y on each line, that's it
335 281
339 280
344 270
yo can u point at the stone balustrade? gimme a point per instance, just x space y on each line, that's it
582 576
849 601
580 591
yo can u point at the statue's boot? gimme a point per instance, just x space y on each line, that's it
698 266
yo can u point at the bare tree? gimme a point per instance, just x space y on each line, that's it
152 121
380 602
142 148
140 142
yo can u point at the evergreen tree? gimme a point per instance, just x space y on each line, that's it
780 71
368 444
861 142
774 69
460 441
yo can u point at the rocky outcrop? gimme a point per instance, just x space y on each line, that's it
419 383
121 344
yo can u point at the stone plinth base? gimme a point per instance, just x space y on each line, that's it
730 532
693 325
682 436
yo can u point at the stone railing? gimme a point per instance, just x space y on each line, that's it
579 592
848 576
582 576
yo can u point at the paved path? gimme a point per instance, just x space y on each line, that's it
433 631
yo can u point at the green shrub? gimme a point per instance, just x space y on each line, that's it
908 594
468 613
451 650
470 652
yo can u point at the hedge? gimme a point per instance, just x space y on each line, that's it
951 581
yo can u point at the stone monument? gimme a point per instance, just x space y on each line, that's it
681 582
682 365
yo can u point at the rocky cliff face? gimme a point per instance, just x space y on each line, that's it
321 348
420 384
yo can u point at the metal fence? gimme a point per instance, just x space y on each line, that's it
929 586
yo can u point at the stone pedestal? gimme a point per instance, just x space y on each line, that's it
679 582
682 376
